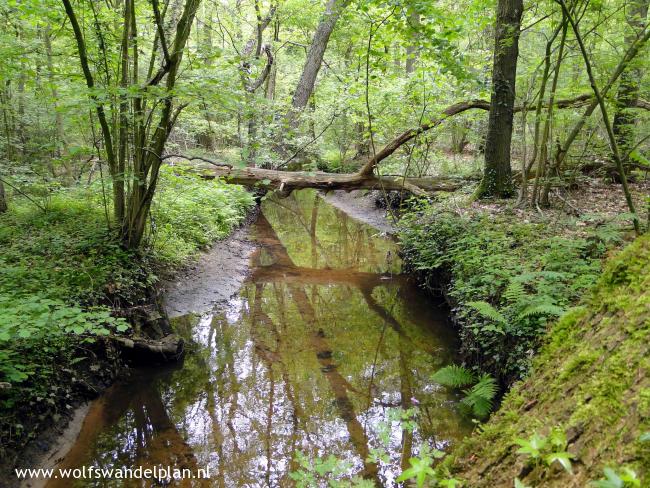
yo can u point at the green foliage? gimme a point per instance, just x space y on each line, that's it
547 450
623 478
507 279
454 376
421 470
479 398
62 272
190 213
327 471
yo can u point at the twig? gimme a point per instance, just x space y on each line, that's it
190 158
301 149
24 194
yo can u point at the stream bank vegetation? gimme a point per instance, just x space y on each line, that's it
521 127
68 289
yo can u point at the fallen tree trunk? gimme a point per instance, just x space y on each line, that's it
286 181
291 180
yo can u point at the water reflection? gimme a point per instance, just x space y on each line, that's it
322 340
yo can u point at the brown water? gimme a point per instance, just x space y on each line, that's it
325 338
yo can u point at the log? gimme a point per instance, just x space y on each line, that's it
143 351
286 181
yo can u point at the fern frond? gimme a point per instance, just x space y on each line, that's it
541 309
536 275
487 311
480 398
454 376
515 292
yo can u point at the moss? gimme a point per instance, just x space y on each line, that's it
591 378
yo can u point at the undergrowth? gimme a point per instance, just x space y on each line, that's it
63 272
506 278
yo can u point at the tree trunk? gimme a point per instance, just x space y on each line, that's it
497 177
3 198
58 116
411 49
269 91
628 89
314 59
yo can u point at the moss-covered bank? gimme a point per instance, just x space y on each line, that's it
591 379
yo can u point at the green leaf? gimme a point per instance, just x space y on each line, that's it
488 311
453 376
420 470
122 327
563 458
533 446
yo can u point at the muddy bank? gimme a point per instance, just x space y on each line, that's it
212 279
360 205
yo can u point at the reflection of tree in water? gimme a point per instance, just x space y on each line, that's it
322 339
308 230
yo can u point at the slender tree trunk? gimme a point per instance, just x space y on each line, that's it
497 177
603 109
628 88
527 166
58 116
411 49
122 154
3 198
315 56
543 160
269 91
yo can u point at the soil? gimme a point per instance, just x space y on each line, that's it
360 204
212 279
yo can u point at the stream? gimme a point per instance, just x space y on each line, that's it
318 350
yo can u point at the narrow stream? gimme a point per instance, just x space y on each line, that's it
324 339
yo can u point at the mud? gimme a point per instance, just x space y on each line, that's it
360 205
215 277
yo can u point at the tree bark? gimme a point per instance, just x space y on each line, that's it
628 88
497 176
411 49
291 180
3 198
603 109
315 56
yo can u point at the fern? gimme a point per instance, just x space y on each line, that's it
515 292
454 376
544 308
480 397
488 311
531 276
